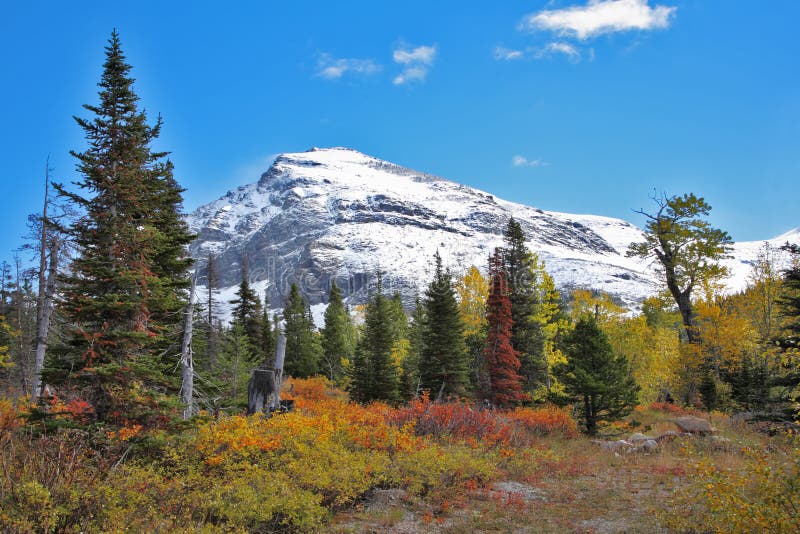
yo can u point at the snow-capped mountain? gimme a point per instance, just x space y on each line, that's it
338 214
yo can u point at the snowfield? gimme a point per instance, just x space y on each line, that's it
338 214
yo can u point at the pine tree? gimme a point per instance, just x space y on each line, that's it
443 365
338 335
599 381
302 348
127 285
247 311
375 374
687 247
236 363
790 300
503 360
527 337
409 377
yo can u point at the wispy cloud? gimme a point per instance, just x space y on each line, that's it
522 161
332 68
507 54
416 63
557 48
599 17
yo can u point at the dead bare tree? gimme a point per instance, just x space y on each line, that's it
187 363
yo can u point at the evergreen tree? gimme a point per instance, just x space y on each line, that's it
790 300
503 361
375 374
302 347
599 381
127 286
338 335
443 365
247 311
237 361
409 378
527 337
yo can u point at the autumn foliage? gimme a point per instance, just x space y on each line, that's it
236 473
503 360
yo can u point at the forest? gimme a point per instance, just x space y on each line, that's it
124 398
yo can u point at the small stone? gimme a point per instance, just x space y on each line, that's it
694 425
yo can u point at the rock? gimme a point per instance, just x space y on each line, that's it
380 499
649 445
612 446
720 443
525 492
694 425
638 437
670 435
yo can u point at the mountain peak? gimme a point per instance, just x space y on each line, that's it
338 214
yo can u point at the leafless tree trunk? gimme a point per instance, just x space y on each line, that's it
46 289
187 363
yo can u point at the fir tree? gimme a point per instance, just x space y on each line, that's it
375 374
409 378
237 361
127 286
503 361
790 300
599 382
526 334
247 311
302 348
338 335
443 365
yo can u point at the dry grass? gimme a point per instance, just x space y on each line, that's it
578 487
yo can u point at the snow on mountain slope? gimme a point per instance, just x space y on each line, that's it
338 214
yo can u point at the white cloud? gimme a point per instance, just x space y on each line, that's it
560 48
507 54
416 63
522 161
599 17
421 54
332 68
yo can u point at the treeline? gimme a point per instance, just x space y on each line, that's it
110 299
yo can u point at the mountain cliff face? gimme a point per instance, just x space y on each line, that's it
338 214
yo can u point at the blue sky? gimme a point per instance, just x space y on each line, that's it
582 106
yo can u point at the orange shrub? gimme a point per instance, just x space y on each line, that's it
460 421
672 409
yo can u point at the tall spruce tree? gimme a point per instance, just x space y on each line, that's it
527 337
409 377
790 300
375 374
126 288
338 335
443 365
302 348
248 313
600 382
505 384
